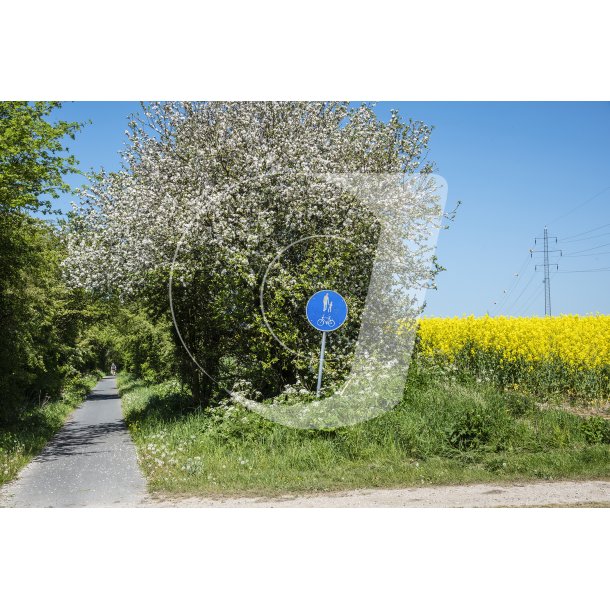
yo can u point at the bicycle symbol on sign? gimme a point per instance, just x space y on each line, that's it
327 307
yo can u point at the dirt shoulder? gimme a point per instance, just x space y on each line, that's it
552 494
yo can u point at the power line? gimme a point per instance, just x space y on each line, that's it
580 205
590 254
498 306
588 249
514 303
570 241
533 298
569 237
585 270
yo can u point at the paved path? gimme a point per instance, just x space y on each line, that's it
90 462
556 493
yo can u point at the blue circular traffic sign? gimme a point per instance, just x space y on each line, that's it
326 310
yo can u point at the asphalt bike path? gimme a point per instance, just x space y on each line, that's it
90 462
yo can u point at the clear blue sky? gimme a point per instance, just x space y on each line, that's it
514 166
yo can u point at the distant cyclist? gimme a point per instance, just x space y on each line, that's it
113 369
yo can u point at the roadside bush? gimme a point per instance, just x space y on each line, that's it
472 427
519 404
596 430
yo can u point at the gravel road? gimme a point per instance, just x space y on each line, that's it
560 493
90 462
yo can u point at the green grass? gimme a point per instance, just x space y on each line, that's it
24 438
442 433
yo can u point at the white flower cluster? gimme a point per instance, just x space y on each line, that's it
238 177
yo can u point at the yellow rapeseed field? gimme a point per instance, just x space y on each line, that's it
570 353
579 341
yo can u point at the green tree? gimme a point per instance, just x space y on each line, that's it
33 157
37 335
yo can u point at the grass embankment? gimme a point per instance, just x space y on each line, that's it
24 438
442 433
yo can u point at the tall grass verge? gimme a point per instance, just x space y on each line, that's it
443 432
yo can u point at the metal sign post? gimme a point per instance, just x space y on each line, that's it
326 311
321 366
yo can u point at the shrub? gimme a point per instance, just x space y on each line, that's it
596 430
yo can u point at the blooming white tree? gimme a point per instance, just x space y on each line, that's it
213 191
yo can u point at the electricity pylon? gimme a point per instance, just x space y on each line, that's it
546 265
